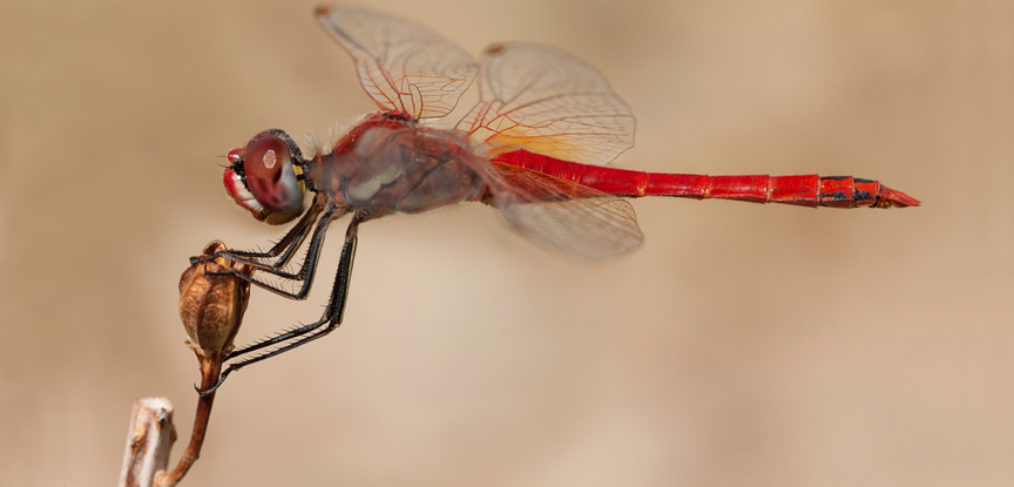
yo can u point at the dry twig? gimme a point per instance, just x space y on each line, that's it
149 441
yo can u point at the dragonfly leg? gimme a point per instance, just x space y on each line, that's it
331 319
306 271
286 246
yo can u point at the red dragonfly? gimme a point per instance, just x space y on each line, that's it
534 147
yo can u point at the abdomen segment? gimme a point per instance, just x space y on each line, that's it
807 190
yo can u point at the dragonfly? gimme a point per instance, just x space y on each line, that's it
536 147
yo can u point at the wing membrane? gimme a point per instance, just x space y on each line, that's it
406 68
563 215
545 101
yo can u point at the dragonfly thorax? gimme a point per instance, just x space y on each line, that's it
401 168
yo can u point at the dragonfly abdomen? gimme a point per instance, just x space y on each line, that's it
807 190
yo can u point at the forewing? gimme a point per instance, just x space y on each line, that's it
563 215
406 68
546 101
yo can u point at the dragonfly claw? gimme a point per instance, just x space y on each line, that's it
201 259
211 390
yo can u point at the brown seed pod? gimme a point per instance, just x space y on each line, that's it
212 307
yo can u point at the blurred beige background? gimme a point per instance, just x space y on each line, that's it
743 345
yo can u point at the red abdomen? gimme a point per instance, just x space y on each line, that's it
807 190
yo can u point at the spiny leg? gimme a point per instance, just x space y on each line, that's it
336 305
290 243
309 267
286 246
332 318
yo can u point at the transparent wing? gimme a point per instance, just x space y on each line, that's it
406 68
545 101
564 215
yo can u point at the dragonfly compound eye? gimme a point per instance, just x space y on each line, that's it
264 177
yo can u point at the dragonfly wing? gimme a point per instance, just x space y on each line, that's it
545 101
406 68
563 215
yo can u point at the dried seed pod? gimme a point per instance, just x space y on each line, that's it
211 306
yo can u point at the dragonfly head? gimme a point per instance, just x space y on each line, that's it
266 177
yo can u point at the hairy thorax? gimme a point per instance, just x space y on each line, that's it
385 166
